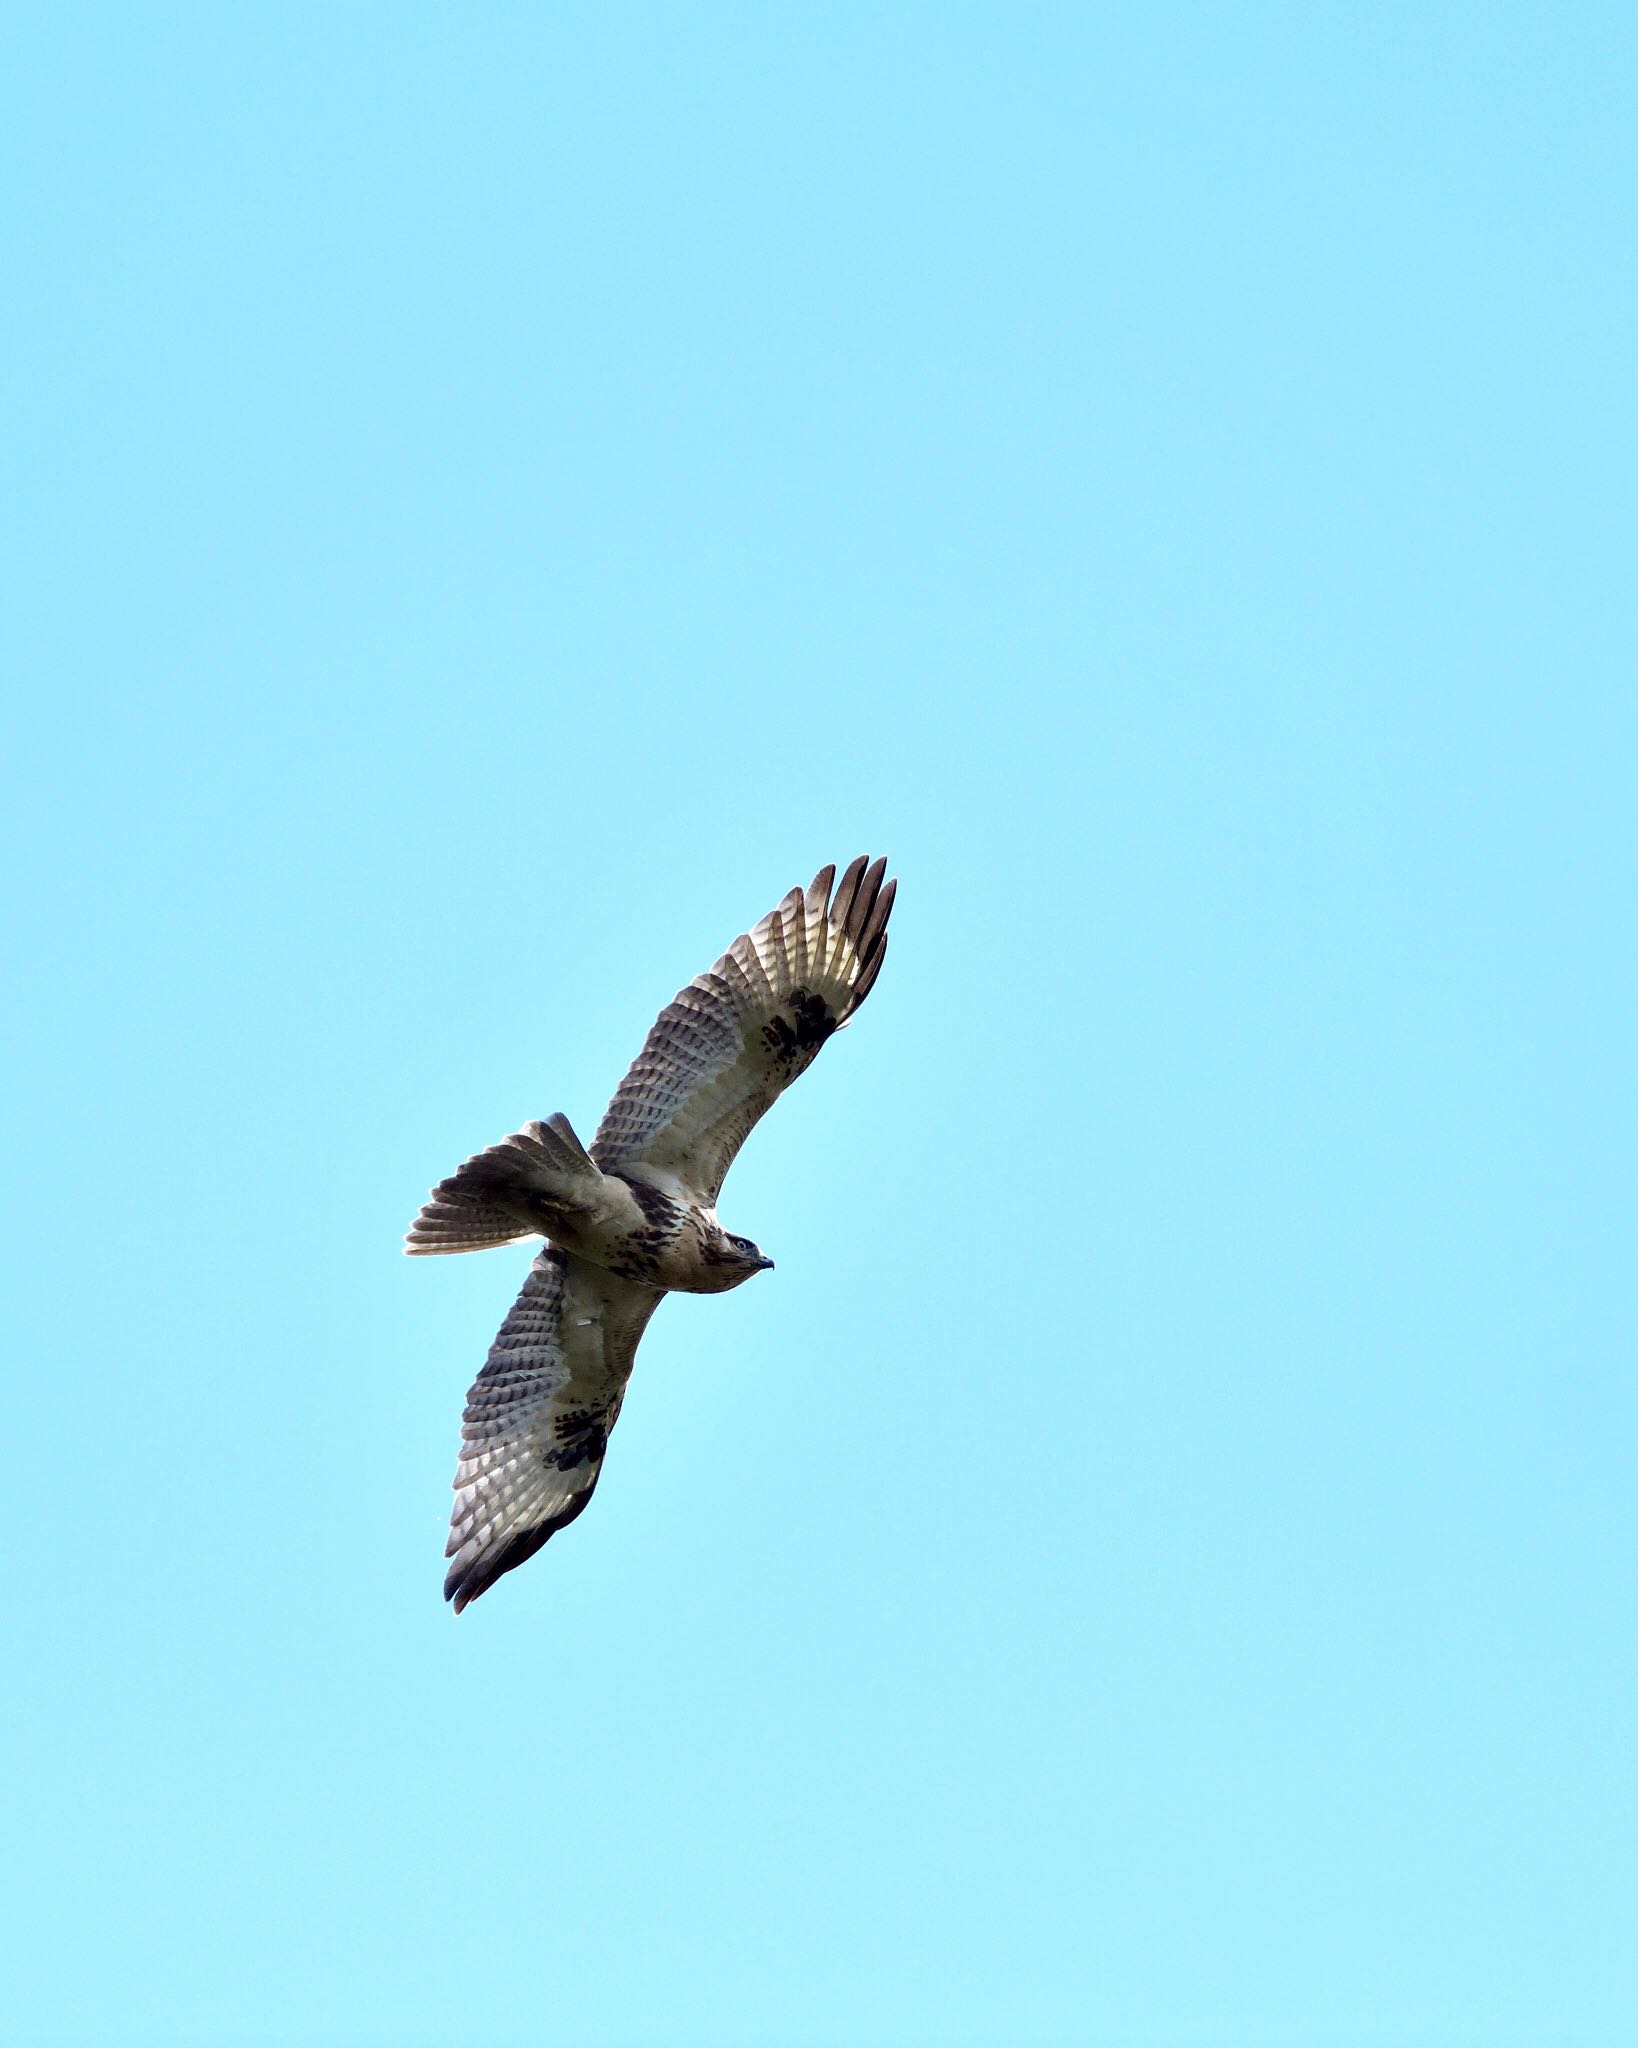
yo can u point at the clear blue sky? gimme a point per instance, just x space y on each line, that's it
497 495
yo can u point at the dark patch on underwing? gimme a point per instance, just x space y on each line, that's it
799 1034
582 1436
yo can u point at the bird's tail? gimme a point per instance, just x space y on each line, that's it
511 1190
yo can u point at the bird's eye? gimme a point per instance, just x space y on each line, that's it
742 1244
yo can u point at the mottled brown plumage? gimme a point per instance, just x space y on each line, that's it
634 1217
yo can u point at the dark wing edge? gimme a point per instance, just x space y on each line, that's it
538 1416
729 1044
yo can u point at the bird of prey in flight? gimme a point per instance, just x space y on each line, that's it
635 1218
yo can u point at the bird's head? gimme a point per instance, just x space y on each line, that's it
737 1258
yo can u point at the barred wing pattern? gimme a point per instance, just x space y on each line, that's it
538 1416
728 1046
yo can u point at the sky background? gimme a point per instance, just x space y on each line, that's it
495 496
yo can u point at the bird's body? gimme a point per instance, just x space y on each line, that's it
633 1218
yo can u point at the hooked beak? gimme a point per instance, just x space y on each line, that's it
765 1265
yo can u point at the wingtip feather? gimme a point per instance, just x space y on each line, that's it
867 980
467 1582
842 904
862 907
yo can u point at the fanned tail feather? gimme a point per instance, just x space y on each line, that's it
505 1192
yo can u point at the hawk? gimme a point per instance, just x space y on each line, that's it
635 1217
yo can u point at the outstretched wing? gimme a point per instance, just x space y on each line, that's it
736 1038
539 1414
